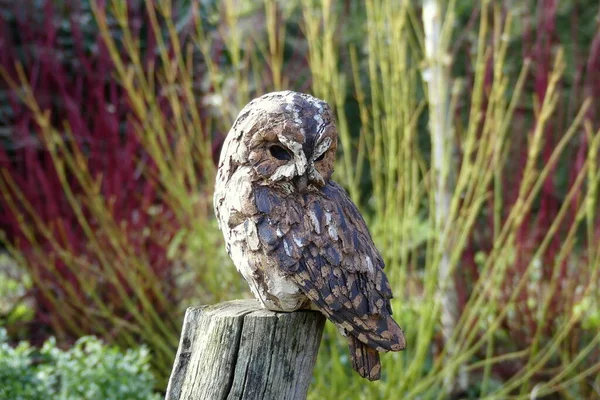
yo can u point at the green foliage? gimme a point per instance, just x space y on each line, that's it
13 284
89 370
527 324
18 378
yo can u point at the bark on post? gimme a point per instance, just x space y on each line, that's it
237 350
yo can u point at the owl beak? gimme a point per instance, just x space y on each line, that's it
301 183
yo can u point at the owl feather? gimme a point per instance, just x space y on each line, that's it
341 272
293 233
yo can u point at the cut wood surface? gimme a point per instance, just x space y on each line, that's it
237 350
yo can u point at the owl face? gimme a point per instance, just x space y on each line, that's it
289 140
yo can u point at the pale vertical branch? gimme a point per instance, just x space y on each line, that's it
437 78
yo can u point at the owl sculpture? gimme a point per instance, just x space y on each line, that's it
293 233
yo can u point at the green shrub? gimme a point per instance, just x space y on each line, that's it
89 370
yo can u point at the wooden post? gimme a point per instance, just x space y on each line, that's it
237 350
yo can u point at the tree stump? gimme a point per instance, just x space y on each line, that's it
237 350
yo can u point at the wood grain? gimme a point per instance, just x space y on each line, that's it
237 350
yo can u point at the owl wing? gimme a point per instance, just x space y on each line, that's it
325 248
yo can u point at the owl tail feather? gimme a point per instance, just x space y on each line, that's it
365 360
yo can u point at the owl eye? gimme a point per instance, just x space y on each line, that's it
280 153
322 156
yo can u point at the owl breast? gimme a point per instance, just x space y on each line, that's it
280 240
252 218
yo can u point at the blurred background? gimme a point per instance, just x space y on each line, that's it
470 140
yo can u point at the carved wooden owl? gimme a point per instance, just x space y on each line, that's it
293 233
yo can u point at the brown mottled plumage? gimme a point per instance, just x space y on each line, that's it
294 234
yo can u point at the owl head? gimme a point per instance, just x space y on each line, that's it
285 138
